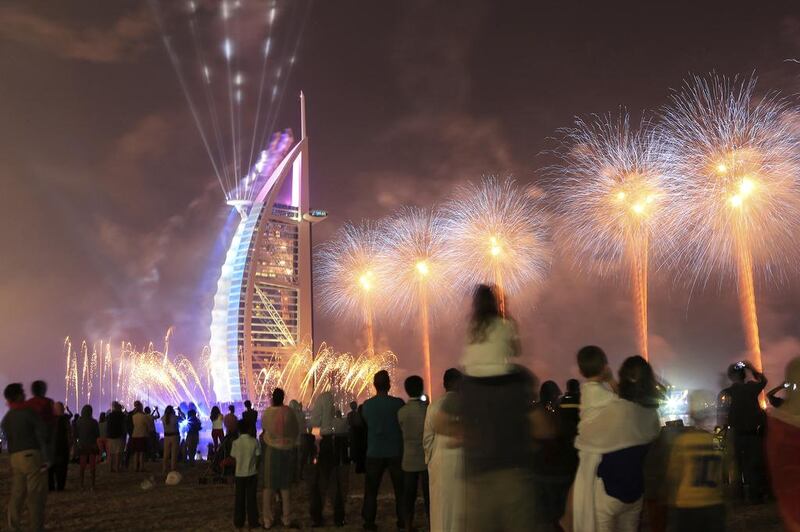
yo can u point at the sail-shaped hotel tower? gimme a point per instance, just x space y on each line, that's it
263 305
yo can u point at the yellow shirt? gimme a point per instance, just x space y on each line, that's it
695 471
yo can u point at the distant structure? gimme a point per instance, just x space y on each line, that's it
263 305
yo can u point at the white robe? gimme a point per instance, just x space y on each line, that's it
617 425
446 476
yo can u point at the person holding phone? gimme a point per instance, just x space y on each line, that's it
745 421
772 395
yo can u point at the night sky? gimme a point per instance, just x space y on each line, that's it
113 223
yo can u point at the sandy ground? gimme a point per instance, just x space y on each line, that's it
119 504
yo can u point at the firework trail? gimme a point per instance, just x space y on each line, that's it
413 256
496 234
734 183
347 277
610 202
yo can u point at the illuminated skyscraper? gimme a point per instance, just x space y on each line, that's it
262 307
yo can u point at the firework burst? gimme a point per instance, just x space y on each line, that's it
496 233
610 202
347 275
413 256
307 374
734 185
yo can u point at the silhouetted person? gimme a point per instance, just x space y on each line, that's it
246 450
746 422
27 446
358 437
61 444
88 433
115 431
570 406
555 458
230 421
193 427
384 449
330 472
41 405
251 416
415 472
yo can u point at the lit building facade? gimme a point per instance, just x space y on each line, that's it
263 304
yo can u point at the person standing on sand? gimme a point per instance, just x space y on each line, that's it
139 435
230 421
444 456
415 472
116 435
217 423
88 434
102 440
246 450
193 427
384 449
251 416
27 447
60 449
279 435
169 421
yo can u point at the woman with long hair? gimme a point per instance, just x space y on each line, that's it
492 337
217 432
169 421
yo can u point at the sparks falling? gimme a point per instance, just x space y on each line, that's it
347 277
610 202
734 185
496 234
99 373
306 374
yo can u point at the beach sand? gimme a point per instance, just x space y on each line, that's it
120 504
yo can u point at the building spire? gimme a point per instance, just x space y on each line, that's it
302 115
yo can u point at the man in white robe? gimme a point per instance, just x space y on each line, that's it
445 458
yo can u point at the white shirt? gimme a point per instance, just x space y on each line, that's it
491 357
245 450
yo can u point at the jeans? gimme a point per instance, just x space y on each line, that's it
27 488
246 488
374 469
411 480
